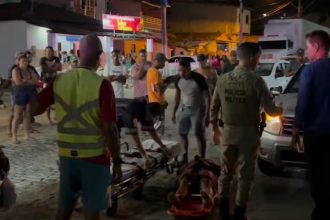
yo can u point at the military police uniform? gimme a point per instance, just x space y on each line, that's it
238 96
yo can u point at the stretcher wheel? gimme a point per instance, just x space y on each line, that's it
138 193
111 211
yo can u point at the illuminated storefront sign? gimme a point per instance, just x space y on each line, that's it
122 23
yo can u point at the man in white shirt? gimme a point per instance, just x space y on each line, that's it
117 74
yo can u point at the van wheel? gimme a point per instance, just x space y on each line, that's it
269 168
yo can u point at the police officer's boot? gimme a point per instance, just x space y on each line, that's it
239 213
224 209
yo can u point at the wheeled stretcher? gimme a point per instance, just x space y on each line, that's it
134 176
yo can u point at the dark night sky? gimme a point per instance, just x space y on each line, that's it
261 6
315 10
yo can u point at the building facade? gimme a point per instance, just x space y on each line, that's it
207 27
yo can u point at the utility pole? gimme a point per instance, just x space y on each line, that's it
164 25
241 20
299 14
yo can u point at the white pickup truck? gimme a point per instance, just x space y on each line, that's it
276 152
274 74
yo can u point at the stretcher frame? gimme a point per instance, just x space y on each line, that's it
135 183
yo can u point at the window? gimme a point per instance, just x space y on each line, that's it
276 44
279 72
264 69
247 19
222 47
108 7
59 46
85 4
293 86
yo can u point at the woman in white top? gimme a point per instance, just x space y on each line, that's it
117 74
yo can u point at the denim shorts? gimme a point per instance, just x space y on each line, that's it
191 117
24 96
81 177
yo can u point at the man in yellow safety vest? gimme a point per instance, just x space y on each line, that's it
87 132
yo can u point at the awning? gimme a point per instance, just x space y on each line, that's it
56 19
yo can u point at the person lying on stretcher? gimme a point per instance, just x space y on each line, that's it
138 115
199 176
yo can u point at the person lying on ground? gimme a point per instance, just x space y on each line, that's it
138 115
198 176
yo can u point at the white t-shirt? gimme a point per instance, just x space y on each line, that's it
118 88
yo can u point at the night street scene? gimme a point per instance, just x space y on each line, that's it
164 109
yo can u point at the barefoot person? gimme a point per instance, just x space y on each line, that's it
24 82
9 85
136 115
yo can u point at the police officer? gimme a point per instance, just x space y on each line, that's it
238 96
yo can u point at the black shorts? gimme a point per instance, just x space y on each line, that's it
154 109
137 109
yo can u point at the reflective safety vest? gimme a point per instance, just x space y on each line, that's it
78 113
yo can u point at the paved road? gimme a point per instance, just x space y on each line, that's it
34 171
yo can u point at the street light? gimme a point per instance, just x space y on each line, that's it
264 14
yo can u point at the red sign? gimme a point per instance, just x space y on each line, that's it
122 23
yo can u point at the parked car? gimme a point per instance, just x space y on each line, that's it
171 67
276 152
274 74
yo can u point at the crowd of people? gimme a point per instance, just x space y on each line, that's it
87 122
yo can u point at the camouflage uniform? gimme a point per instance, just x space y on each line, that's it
239 95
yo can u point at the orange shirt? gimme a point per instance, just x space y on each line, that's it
153 78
